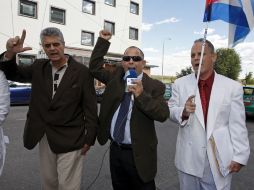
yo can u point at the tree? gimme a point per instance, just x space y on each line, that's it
249 78
184 72
228 63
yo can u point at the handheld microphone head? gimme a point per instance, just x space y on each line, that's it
131 76
132 73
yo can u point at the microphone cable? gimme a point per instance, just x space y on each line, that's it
104 154
103 158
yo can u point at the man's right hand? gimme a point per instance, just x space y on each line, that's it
189 107
105 34
15 45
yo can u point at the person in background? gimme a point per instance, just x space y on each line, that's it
62 114
127 116
4 110
212 141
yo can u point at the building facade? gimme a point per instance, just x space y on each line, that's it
79 20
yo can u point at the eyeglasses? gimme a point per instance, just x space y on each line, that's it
56 44
134 58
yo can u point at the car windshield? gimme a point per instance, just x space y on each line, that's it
248 90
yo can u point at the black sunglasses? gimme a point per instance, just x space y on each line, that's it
134 58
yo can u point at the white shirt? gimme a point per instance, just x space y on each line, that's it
127 134
60 72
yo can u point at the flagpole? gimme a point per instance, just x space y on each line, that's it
201 56
190 121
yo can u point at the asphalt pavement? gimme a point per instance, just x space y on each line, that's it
21 171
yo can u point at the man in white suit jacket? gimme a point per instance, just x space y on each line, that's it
212 144
4 109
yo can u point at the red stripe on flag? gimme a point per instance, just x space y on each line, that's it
209 2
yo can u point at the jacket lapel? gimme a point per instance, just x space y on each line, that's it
66 80
199 110
49 80
214 104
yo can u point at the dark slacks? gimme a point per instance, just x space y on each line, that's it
124 174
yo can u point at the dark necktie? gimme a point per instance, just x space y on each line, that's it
122 118
203 98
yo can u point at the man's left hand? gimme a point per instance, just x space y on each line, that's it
235 167
137 88
85 148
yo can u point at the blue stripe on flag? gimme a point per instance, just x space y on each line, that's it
228 13
240 34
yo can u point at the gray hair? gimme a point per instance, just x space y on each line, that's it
51 31
210 45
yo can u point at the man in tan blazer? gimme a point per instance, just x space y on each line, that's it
62 114
133 160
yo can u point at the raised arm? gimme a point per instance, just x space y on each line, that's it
97 58
8 60
16 45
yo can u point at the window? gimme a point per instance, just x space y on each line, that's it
89 7
109 26
83 60
134 8
110 2
57 15
87 38
26 59
133 33
28 8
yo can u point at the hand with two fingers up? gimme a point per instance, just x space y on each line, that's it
16 45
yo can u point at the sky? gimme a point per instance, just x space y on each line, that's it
176 24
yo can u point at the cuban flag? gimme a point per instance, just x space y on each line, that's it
238 13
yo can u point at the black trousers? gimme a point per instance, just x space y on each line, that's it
124 174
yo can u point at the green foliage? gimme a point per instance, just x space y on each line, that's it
184 72
166 79
228 63
249 78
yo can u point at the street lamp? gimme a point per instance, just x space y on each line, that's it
162 61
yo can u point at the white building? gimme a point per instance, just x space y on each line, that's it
79 20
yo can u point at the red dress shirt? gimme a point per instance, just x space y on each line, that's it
208 84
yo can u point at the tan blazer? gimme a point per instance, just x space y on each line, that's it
69 120
147 108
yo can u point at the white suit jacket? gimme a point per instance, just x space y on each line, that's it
225 123
4 109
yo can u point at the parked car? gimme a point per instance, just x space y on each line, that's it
248 99
99 94
20 93
168 92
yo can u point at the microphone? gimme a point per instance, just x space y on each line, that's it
131 76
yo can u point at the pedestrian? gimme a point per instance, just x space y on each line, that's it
212 141
62 114
133 147
4 110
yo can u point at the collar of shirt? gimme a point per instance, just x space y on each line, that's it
209 81
63 67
